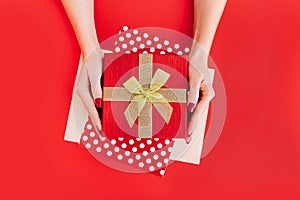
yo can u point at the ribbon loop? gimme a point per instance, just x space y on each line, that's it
132 85
159 79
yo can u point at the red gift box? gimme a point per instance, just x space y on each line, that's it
144 95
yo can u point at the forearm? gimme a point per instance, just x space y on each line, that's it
81 15
207 14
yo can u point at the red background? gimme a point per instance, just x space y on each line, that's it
257 49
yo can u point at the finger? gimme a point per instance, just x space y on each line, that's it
188 139
194 83
203 103
88 102
97 92
94 79
199 111
207 87
96 87
192 126
192 123
210 92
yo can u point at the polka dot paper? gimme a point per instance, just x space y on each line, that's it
138 41
140 155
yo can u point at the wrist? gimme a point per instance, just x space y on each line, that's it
198 59
198 52
86 50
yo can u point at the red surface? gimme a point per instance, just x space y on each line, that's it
118 70
257 156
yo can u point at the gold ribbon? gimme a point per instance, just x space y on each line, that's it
143 94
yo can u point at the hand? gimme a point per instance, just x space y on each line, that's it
88 85
199 95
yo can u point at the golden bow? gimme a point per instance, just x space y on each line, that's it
151 94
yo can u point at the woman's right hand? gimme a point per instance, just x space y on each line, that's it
88 85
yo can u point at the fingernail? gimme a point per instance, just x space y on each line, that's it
191 133
98 102
191 107
188 140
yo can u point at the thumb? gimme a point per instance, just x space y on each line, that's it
193 96
97 92
94 73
